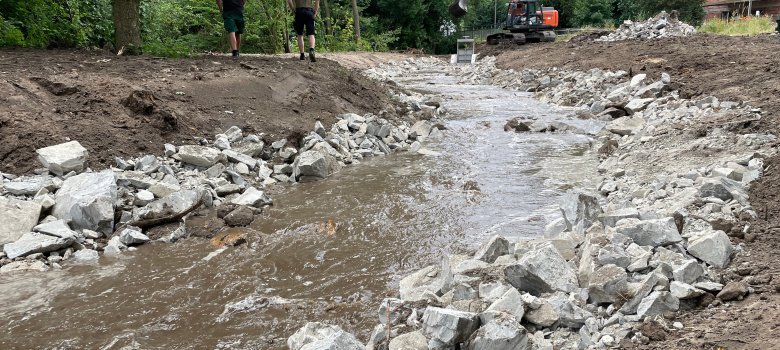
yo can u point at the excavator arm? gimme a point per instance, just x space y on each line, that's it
459 8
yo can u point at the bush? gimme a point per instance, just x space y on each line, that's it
741 26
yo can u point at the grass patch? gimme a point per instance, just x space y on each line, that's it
741 26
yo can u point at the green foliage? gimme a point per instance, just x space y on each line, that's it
741 26
592 12
10 35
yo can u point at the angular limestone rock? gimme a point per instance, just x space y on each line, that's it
542 270
319 336
445 327
713 247
33 242
654 233
500 334
18 217
200 156
63 158
490 251
86 201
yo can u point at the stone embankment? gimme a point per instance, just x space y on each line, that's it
70 212
663 25
620 260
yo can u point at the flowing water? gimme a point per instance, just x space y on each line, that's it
329 250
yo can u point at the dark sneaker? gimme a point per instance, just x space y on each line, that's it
303 56
312 57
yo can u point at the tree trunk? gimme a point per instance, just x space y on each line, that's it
127 21
356 16
326 15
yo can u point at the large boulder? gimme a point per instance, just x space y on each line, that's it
200 155
611 218
315 164
319 336
654 233
446 327
500 334
608 284
86 201
713 247
542 270
580 208
170 208
19 217
63 158
33 242
490 251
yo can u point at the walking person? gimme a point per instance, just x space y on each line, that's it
305 12
233 16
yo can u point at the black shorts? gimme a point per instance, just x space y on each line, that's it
304 17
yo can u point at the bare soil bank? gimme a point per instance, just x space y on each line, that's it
49 96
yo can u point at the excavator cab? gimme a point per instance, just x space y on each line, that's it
527 21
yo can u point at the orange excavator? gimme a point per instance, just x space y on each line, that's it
527 21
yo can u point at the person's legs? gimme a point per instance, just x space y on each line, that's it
310 33
231 27
239 31
299 24
300 44
233 41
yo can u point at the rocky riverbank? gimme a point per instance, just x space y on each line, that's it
71 212
653 239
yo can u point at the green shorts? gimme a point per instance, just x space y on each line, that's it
234 21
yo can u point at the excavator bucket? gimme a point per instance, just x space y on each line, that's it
459 8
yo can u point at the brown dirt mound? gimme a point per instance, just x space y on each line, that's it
126 106
730 68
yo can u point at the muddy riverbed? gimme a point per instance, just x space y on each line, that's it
329 250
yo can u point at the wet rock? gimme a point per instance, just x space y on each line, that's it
314 164
56 228
24 265
733 291
253 197
657 303
33 242
114 247
654 233
713 247
170 208
230 238
542 270
132 236
626 126
200 155
445 327
608 284
319 336
420 130
86 201
409 341
490 251
86 255
19 217
580 208
63 158
241 216
499 334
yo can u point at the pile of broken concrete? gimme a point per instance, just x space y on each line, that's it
653 238
663 25
67 210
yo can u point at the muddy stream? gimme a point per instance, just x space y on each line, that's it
389 215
